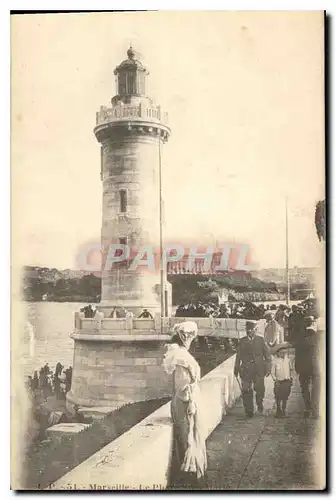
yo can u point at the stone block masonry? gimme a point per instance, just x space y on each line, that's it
131 135
60 430
109 373
113 366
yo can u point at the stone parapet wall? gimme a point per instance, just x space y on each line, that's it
104 326
119 361
139 459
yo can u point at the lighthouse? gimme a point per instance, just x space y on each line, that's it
131 134
119 360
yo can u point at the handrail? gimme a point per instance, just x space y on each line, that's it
121 112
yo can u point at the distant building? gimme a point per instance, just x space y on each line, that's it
184 266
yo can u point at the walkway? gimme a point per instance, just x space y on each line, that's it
265 453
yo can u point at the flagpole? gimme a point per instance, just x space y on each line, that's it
161 242
287 266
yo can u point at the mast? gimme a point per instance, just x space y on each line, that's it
287 266
161 242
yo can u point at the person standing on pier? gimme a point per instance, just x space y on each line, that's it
296 325
281 316
307 366
35 381
274 333
253 363
189 452
68 377
282 374
145 314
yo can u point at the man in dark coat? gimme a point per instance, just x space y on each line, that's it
307 366
296 324
253 363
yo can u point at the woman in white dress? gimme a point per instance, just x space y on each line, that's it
189 452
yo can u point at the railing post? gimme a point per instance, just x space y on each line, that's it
81 316
99 316
78 321
157 322
129 323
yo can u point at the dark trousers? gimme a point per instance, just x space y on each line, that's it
310 387
257 384
282 389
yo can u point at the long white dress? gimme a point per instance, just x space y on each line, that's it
189 442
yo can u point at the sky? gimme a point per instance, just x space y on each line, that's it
245 96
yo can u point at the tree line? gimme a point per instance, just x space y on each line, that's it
53 285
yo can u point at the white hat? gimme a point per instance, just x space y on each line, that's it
187 330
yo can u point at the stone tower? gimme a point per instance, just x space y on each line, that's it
131 134
118 361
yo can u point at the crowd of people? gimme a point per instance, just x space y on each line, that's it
47 390
284 315
116 313
257 357
49 383
122 312
245 310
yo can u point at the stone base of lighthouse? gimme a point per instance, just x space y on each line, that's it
110 373
139 299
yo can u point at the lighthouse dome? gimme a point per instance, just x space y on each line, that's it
132 61
131 77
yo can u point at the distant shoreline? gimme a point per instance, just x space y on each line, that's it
95 302
52 285
62 301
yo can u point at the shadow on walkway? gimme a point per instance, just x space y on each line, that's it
266 453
